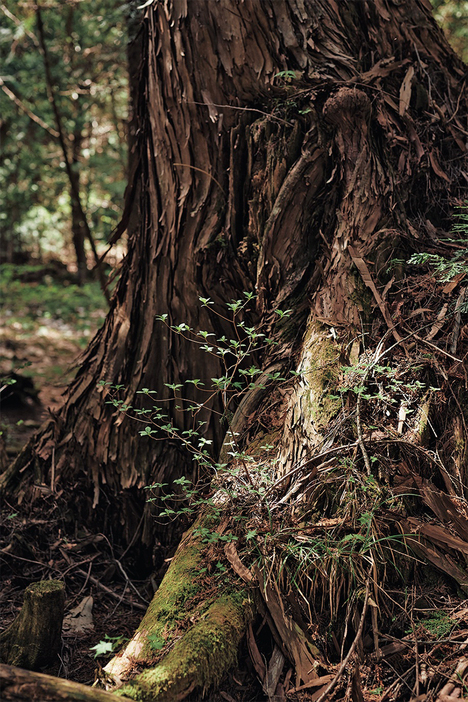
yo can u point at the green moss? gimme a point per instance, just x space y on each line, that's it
321 371
423 421
44 587
168 606
200 658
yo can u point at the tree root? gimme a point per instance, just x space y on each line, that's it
200 657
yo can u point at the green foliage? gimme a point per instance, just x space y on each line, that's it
239 376
439 624
107 645
86 44
156 642
444 269
452 15
48 301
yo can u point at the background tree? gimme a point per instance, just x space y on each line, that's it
87 79
293 151
452 15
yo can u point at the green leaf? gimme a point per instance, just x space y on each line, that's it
156 642
102 648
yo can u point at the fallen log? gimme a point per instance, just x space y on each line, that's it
17 685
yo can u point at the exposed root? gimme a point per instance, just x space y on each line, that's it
197 657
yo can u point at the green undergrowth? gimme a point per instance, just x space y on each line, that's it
32 298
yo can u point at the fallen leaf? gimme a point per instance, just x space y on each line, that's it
436 166
80 619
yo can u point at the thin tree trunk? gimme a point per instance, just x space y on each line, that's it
80 223
77 224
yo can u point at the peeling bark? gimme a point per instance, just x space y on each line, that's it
245 181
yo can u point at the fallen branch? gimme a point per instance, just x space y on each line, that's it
17 685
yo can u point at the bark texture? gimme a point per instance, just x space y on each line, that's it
17 685
33 640
276 144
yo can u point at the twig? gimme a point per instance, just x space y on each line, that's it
344 447
436 348
107 590
18 23
27 111
130 582
357 638
195 168
244 109
86 581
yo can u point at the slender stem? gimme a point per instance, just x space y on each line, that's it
325 695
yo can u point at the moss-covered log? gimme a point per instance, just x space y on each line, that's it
204 653
32 641
200 658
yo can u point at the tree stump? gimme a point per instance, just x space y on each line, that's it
32 641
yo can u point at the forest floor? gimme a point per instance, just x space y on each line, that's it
47 322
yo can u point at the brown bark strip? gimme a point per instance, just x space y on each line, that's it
292 636
405 91
231 554
367 278
255 655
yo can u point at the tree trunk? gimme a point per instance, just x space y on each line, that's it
77 224
290 149
249 180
